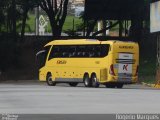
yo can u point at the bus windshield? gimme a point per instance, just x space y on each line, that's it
41 57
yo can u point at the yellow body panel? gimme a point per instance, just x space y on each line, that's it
77 67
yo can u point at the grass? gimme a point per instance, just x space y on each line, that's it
67 25
31 23
69 22
147 70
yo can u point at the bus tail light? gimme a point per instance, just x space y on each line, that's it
111 71
136 71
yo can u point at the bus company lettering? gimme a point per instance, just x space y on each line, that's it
61 62
126 47
125 67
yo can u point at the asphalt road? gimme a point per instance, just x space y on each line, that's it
28 97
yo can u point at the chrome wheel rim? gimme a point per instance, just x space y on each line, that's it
86 81
50 80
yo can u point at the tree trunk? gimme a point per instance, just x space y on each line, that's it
91 28
24 23
56 18
56 29
53 25
14 19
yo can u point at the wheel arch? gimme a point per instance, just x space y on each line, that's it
93 73
48 73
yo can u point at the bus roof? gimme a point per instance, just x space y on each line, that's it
80 41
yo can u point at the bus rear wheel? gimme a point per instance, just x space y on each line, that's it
94 81
87 81
49 80
73 84
110 85
119 85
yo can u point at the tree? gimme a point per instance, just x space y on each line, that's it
14 19
4 9
147 15
2 16
25 6
89 24
7 14
57 12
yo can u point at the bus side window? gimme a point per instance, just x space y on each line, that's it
105 50
88 51
91 54
85 54
97 52
65 54
54 52
72 51
65 51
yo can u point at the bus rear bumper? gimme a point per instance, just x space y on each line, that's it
124 80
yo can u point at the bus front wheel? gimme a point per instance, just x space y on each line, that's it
87 81
49 80
119 85
110 85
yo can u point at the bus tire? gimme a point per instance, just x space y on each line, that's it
110 85
73 84
119 85
49 80
95 83
87 81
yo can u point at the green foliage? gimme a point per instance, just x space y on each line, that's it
69 22
147 68
71 32
27 4
6 13
4 6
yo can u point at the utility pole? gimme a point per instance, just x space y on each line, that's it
101 26
37 20
73 28
120 28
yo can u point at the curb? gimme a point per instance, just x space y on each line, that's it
19 81
151 85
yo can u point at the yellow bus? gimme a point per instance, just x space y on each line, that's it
92 62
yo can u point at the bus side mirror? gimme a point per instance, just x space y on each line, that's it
40 58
